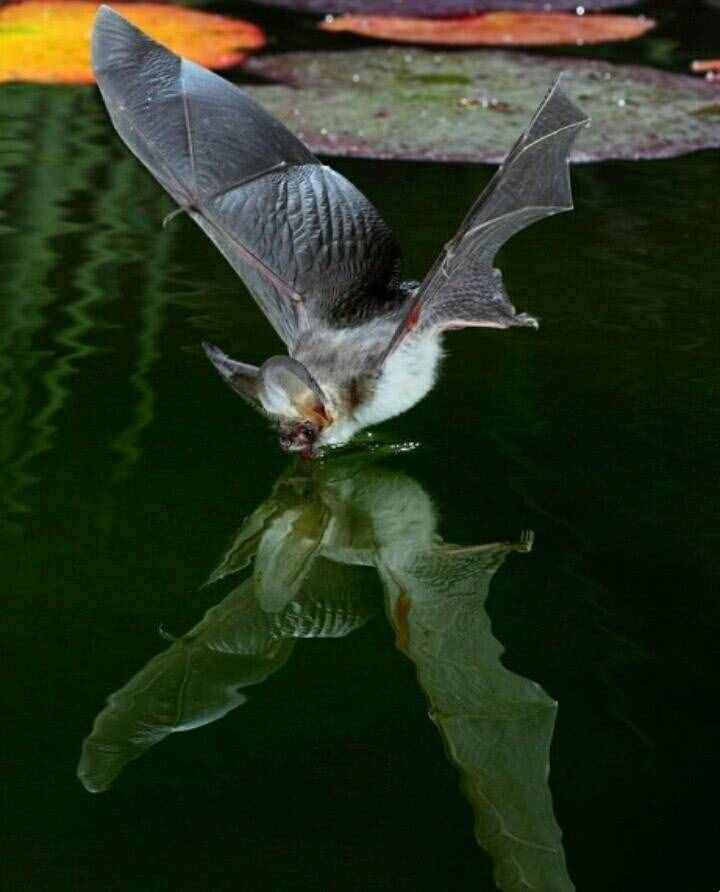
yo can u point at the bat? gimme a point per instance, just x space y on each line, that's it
361 344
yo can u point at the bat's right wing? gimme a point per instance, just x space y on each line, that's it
497 726
462 288
308 245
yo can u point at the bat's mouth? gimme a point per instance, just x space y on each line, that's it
302 438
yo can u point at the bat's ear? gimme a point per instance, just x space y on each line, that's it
290 391
242 378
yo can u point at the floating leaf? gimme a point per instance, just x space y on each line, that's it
496 28
436 8
471 105
706 66
50 42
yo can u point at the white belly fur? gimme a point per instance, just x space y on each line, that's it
409 374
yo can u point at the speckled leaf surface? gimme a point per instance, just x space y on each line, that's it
435 8
472 105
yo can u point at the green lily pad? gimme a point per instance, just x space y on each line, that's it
471 106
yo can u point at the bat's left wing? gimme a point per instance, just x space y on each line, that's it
463 289
308 245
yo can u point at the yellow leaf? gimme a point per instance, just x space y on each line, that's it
50 42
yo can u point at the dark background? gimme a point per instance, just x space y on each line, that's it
126 468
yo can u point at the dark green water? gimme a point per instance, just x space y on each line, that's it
127 470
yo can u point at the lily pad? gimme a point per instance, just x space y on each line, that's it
471 105
706 66
49 42
436 8
496 28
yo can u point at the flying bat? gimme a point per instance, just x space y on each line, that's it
362 345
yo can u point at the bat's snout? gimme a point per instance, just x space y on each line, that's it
300 438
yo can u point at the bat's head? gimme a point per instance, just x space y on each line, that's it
283 390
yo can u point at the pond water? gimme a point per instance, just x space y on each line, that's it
349 719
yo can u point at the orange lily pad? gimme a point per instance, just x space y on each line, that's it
49 42
710 67
496 28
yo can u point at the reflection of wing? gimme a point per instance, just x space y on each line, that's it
496 725
194 682
304 240
462 289
200 677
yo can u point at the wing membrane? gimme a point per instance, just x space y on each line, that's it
304 240
462 288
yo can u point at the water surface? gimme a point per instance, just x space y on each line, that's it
378 752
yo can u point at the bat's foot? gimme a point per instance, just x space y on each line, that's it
525 320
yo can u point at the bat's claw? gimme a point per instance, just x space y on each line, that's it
163 633
168 218
526 320
526 542
183 208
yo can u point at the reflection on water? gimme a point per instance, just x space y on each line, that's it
57 317
310 547
601 433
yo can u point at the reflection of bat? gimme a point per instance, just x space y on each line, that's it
316 256
331 539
